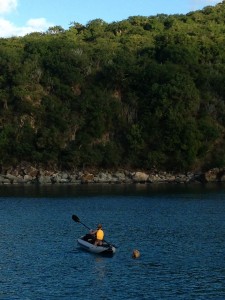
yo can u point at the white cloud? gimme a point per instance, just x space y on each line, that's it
40 25
8 29
7 6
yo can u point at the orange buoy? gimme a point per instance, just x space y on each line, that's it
136 254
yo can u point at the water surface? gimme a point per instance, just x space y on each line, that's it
179 231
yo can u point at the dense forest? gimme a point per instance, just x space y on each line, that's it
145 92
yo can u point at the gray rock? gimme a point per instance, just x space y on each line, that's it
44 179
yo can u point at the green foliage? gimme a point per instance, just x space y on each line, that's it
143 92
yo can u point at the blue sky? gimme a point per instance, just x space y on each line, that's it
19 17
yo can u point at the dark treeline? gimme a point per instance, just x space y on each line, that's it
140 93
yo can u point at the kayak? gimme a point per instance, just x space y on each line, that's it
86 242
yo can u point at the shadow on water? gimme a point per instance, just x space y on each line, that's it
69 190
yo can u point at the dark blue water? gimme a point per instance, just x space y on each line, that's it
179 231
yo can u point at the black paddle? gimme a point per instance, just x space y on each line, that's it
77 220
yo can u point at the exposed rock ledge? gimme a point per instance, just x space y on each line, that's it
27 174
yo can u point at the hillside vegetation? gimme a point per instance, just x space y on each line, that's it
146 92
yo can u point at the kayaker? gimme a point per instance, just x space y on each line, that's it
99 235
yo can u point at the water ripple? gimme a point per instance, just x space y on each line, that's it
180 237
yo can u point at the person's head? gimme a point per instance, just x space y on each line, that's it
99 226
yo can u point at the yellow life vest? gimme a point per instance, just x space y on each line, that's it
100 234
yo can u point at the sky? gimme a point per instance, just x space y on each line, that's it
21 17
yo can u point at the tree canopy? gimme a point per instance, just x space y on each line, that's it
146 92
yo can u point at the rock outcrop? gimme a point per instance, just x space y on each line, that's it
28 174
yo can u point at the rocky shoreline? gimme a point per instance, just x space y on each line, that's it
28 174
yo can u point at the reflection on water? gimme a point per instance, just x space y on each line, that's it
69 190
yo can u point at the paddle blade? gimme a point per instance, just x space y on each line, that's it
75 218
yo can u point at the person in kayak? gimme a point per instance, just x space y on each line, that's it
99 235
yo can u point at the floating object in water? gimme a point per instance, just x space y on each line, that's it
136 254
87 242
